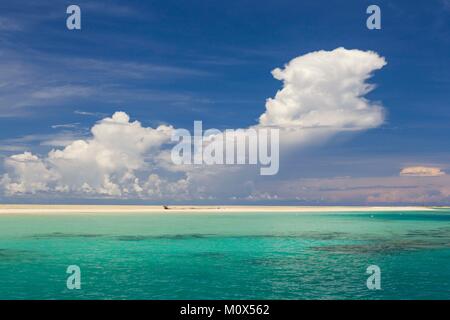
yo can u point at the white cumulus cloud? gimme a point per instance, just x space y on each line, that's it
104 164
326 89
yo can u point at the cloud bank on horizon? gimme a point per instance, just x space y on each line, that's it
421 171
322 96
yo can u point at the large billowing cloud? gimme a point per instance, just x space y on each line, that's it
322 95
326 89
104 164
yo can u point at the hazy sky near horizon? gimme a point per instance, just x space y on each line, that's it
168 63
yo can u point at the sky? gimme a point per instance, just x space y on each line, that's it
86 115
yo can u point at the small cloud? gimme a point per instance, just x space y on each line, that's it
421 171
86 113
65 126
62 92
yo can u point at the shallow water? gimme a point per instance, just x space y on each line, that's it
226 256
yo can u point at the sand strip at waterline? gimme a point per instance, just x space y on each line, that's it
61 209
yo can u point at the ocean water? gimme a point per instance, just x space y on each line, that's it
226 255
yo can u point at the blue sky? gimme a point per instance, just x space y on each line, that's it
173 62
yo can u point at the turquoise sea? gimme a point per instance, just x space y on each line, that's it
226 255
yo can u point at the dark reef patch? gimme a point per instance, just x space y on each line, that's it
163 237
66 235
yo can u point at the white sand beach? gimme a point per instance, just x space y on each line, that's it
89 209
